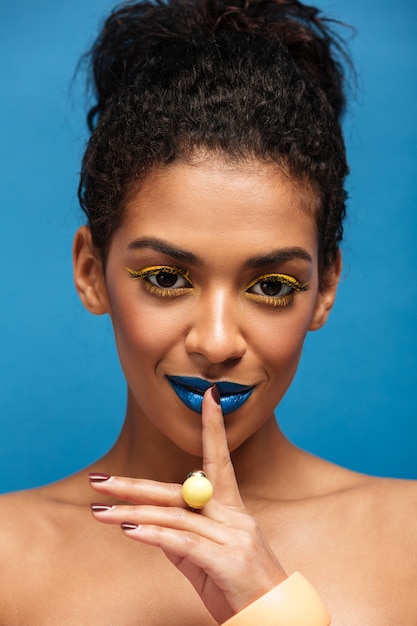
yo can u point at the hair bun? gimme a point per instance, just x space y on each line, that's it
134 31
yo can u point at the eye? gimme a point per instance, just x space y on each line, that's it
163 280
167 279
276 290
271 287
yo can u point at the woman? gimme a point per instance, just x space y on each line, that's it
213 190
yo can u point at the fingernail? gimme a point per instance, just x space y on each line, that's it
98 477
128 526
216 394
100 508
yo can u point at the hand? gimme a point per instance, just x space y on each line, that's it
221 549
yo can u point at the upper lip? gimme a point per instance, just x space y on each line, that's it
199 385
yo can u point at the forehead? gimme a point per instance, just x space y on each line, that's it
212 204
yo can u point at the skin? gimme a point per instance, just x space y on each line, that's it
275 509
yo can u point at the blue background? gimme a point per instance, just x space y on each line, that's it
62 394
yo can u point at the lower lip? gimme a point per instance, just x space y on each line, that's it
194 400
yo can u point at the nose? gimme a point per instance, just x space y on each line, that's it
215 331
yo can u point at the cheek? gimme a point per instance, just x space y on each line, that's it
280 343
144 333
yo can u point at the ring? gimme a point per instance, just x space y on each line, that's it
197 490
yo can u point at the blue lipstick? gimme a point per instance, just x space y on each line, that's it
190 391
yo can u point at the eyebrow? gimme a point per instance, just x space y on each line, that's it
274 257
279 256
165 248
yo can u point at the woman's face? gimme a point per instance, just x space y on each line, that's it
213 275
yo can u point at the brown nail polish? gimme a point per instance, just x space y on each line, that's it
216 394
100 508
128 526
98 477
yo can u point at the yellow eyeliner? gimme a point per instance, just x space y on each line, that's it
272 301
159 291
278 300
280 278
155 269
265 299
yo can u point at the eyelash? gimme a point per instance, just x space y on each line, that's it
172 292
281 279
154 270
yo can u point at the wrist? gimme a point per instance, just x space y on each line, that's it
294 602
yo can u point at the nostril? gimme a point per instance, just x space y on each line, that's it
215 353
215 332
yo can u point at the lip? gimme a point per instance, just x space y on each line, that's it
190 391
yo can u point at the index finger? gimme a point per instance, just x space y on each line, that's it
217 463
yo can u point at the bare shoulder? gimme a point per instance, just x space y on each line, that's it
33 527
21 521
392 497
20 517
394 503
27 521
404 492
388 504
369 510
26 513
367 530
33 518
379 515
388 542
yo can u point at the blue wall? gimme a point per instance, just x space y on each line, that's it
62 393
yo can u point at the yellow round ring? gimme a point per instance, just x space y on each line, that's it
197 490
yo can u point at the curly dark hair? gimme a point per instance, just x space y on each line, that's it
243 78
